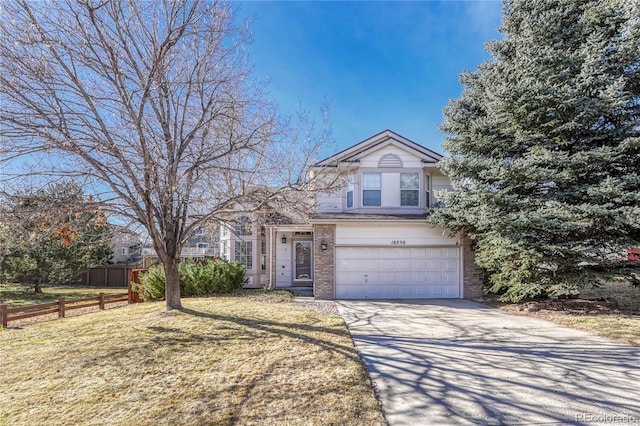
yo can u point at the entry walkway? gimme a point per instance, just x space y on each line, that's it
455 362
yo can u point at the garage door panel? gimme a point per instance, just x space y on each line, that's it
397 272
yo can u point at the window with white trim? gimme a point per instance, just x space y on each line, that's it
409 189
224 249
243 227
427 189
243 253
350 187
371 189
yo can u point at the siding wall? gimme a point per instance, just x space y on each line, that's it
283 265
335 201
383 234
408 160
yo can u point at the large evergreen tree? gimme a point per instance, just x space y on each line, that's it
544 148
49 236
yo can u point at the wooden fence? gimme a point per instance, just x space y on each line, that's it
8 314
108 275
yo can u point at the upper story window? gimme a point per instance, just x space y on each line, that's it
409 189
427 189
350 187
243 227
371 189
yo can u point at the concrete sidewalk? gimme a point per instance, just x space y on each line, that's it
455 362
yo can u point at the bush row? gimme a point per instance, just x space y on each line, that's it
195 278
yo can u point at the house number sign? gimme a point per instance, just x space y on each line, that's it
398 243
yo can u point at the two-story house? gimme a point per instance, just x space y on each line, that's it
371 238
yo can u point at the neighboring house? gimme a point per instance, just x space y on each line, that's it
202 244
126 247
370 238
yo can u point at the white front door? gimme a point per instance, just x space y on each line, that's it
397 272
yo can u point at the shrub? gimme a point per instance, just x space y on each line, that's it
195 278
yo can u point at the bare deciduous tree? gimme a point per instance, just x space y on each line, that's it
155 102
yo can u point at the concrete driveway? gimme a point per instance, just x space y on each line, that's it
455 362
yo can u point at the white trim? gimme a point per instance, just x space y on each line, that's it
404 246
361 220
375 142
461 274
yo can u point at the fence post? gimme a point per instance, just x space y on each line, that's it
102 301
4 315
60 307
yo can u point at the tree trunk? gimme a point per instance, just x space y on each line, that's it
172 286
37 288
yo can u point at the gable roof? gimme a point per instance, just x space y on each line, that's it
382 139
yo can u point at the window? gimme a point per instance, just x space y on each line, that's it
350 185
263 255
243 227
409 189
124 251
371 189
427 188
202 245
200 232
224 250
243 254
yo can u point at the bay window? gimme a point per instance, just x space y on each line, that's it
243 253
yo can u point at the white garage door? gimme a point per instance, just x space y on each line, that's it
397 272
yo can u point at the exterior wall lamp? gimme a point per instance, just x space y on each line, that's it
323 245
284 239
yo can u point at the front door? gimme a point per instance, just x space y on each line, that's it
302 260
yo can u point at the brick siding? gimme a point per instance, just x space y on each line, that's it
323 275
472 282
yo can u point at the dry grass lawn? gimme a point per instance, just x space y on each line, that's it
621 324
222 361
623 328
18 295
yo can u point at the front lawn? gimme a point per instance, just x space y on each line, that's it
222 361
619 321
19 295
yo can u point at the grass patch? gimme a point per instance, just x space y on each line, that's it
620 327
19 295
266 295
223 361
621 322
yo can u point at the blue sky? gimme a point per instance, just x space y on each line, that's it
380 65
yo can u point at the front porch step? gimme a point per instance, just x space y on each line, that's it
300 290
303 284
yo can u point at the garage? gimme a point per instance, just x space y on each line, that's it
397 272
